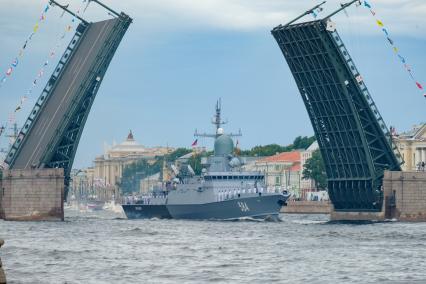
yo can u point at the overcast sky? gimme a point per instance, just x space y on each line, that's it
179 56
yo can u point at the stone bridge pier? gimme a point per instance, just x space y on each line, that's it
2 275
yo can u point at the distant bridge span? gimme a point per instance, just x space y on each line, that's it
354 141
51 133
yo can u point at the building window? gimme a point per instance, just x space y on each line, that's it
277 180
277 167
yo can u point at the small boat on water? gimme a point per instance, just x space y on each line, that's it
95 205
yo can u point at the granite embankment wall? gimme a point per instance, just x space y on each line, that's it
2 275
404 199
1 197
406 193
307 207
33 195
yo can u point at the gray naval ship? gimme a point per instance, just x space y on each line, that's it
223 191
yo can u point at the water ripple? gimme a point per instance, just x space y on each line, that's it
105 248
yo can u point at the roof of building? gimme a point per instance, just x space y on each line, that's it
295 167
186 156
128 144
130 136
285 157
314 146
414 132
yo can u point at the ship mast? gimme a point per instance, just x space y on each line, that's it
217 121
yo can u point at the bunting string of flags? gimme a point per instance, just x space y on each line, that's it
395 49
51 55
316 11
16 60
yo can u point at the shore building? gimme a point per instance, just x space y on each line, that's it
412 146
108 168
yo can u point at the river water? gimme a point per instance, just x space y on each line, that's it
106 248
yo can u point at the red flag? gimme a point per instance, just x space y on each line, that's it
194 143
419 86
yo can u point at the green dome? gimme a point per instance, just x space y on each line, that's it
223 145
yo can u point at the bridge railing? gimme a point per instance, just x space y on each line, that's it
363 88
46 93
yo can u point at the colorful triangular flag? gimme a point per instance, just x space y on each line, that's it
15 62
366 4
9 71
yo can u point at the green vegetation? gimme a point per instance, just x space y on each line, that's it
272 149
314 169
133 173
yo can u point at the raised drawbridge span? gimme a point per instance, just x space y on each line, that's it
353 139
52 131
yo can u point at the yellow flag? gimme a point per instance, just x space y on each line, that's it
380 23
395 49
36 28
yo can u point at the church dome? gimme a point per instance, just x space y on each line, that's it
223 145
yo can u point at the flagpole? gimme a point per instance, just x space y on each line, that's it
343 7
304 14
63 7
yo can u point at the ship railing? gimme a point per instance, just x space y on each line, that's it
144 199
224 195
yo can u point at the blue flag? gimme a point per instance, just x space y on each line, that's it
367 5
385 31
15 62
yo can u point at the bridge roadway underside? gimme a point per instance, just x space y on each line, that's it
354 141
65 94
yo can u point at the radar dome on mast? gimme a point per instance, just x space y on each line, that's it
223 145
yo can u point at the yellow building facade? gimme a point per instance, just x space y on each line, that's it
412 146
108 168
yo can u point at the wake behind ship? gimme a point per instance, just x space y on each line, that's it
223 191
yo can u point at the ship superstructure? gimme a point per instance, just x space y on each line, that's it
223 191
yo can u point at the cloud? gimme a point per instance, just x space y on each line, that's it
403 16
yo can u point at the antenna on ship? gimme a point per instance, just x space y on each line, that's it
217 120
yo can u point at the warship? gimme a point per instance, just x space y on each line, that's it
223 190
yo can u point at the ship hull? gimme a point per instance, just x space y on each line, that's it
258 207
140 211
